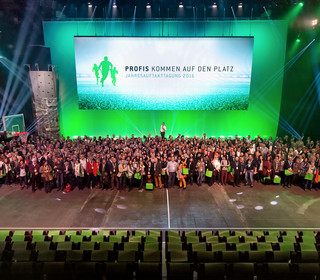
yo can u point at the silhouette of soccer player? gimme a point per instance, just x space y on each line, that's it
114 71
105 66
95 69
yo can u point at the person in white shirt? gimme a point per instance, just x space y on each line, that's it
163 130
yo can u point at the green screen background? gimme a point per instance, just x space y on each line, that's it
262 115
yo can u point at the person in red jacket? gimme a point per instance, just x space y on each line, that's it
95 169
89 171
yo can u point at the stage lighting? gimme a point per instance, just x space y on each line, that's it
181 5
114 5
301 4
214 5
240 5
148 5
298 40
89 5
314 22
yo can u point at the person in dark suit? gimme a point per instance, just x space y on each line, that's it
105 174
113 174
192 169
34 168
164 175
149 172
236 169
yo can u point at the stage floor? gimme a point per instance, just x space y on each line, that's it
194 208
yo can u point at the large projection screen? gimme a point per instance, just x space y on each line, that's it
145 73
260 118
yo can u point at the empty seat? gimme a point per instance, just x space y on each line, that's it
129 246
103 233
46 256
199 247
115 239
204 257
87 246
71 232
57 270
147 271
58 238
305 246
218 247
76 238
179 271
190 233
127 256
152 239
86 232
107 246
25 270
240 271
151 246
174 233
210 271
157 233
230 256
86 270
97 238
177 256
281 256
64 246
101 256
116 271
151 256
257 256
308 271
139 233
20 245
277 271
22 255
74 256
309 257
175 246
135 238
44 245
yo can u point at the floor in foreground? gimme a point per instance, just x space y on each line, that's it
196 207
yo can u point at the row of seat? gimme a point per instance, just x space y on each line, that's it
111 246
252 246
242 256
155 246
181 233
129 256
227 233
81 232
20 255
142 271
79 271
241 239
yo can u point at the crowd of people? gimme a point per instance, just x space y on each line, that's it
132 162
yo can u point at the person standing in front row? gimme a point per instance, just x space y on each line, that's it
163 130
171 171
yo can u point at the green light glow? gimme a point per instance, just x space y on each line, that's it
294 12
298 40
261 118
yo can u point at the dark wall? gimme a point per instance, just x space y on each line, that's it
300 106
